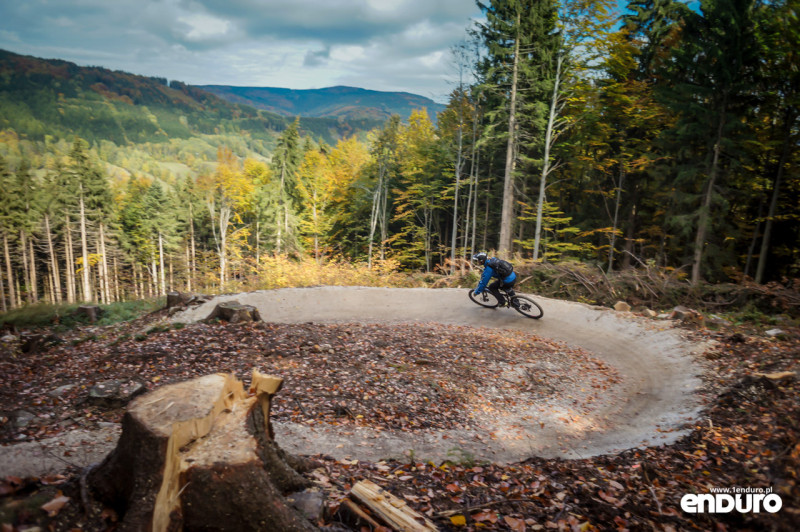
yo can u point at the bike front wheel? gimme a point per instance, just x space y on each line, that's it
526 306
484 299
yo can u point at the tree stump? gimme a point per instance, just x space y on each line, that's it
235 312
200 455
178 299
92 312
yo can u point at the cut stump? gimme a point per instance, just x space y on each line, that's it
199 455
234 312
92 312
178 299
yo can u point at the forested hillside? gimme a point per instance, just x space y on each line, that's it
666 141
337 102
59 99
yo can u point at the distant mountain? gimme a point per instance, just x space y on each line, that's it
53 98
340 102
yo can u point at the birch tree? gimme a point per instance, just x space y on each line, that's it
227 193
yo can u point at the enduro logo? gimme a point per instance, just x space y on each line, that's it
726 500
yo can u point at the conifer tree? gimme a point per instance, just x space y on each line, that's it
707 84
93 202
521 44
285 161
6 228
24 199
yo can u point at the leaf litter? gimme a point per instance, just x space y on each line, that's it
417 378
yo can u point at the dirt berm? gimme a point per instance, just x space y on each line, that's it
654 404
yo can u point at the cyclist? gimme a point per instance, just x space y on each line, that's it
494 267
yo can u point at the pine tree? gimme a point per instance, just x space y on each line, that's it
521 43
94 203
6 228
710 79
285 161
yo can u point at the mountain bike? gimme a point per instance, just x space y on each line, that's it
522 304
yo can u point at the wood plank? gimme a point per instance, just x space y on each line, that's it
394 511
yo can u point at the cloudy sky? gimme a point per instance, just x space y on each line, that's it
391 45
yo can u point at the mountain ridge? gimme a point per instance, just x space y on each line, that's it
338 101
56 97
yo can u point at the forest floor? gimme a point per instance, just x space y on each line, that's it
479 418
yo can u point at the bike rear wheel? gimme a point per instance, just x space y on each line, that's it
484 299
527 307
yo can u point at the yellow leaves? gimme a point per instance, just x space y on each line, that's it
458 520
229 184
257 171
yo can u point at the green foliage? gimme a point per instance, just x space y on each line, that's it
45 315
681 120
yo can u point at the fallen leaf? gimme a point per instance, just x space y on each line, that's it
53 507
458 520
517 525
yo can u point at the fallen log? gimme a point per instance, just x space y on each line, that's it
199 455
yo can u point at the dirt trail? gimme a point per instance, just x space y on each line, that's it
659 375
654 403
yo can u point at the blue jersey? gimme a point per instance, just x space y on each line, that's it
488 273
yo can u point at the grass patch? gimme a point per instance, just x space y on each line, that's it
62 316
158 329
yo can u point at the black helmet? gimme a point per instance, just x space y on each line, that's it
480 258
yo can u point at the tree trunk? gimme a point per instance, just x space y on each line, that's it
161 263
773 204
703 221
258 254
200 455
101 284
472 202
548 141
459 163
507 215
12 295
72 295
616 216
137 293
194 264
486 209
3 304
53 261
87 289
384 215
104 264
117 295
154 278
23 251
34 280
373 221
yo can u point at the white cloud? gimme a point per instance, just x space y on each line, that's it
202 26
376 44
